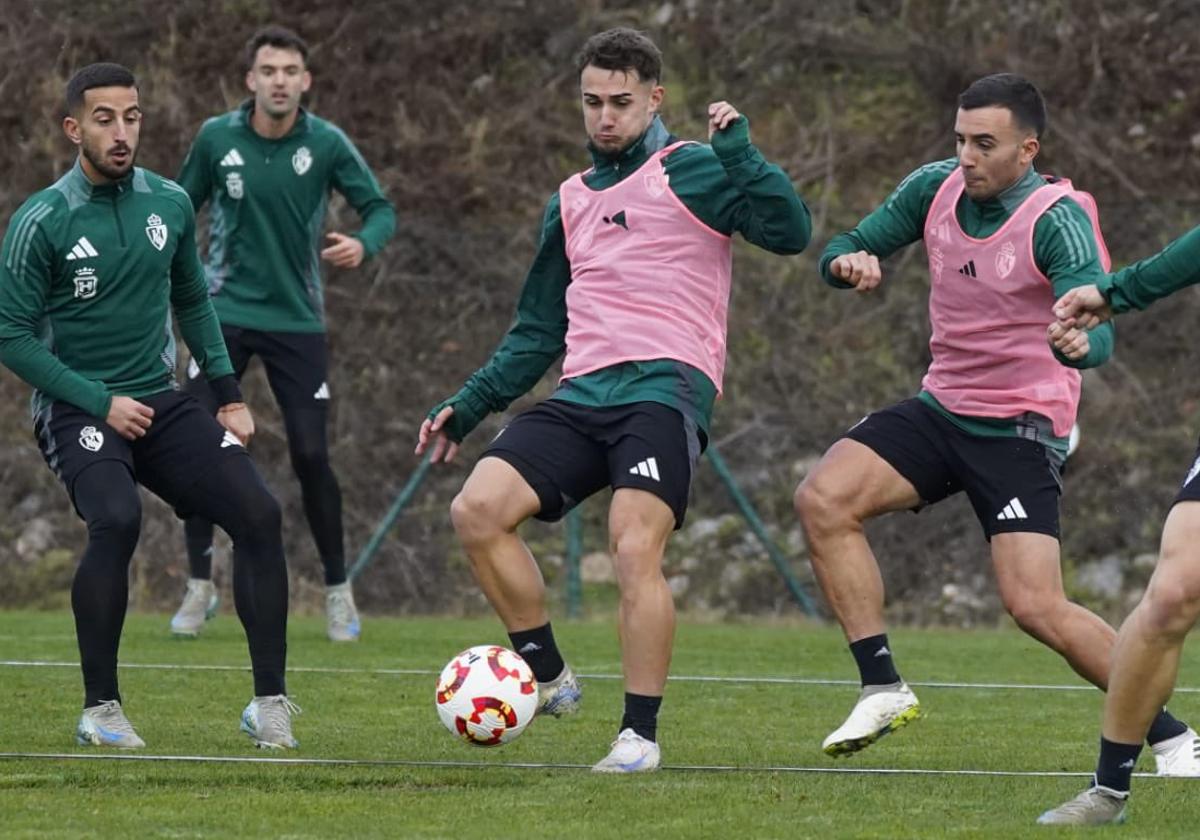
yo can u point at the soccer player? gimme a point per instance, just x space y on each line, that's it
267 169
91 269
1146 656
995 408
632 278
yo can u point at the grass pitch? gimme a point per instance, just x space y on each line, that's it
754 727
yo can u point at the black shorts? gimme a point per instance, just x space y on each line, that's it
297 366
566 452
183 442
1190 491
1014 483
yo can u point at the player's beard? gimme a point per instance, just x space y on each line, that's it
99 161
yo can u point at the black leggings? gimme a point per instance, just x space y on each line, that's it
233 495
309 450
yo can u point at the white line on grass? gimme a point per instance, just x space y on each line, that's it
519 765
424 672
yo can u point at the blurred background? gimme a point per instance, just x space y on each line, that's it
468 114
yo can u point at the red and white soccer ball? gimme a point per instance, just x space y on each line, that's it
486 695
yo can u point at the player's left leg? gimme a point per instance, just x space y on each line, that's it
652 455
297 366
1017 503
194 466
1144 670
639 524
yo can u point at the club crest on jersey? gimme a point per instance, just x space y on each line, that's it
234 186
85 283
656 183
157 231
302 160
1006 259
91 438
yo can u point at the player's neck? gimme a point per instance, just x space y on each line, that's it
265 125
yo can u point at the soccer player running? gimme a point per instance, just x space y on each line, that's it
995 407
91 269
1146 655
632 278
267 169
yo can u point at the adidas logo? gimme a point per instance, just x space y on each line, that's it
230 439
530 647
968 269
323 393
1013 510
82 250
647 468
232 158
617 219
1128 765
883 651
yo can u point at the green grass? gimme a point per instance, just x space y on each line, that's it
391 717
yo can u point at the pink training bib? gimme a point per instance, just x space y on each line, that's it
648 279
990 305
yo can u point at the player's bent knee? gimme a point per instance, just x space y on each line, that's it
1036 616
476 516
821 505
1171 606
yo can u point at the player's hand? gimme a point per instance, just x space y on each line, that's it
860 269
236 418
720 115
128 417
343 251
1083 307
433 430
1072 342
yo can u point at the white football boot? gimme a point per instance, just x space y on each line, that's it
631 753
561 696
1095 806
200 603
880 709
268 720
341 616
106 726
1178 756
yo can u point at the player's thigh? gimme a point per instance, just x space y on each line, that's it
893 459
183 444
1028 571
652 448
297 366
1014 484
554 451
71 441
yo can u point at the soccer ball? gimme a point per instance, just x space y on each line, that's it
486 695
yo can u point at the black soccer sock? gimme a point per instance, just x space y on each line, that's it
1117 761
641 715
874 659
1165 727
198 536
107 498
537 647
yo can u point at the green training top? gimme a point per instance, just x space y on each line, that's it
1171 269
728 186
268 208
88 275
1064 248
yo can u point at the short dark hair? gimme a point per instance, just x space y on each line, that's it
101 74
1008 90
276 36
622 49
